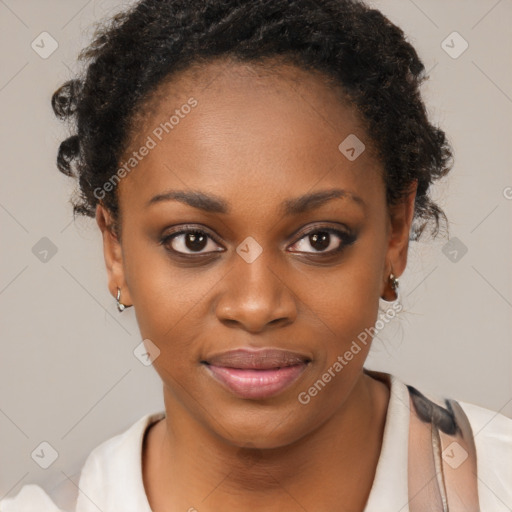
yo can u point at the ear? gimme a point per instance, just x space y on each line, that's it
113 254
399 227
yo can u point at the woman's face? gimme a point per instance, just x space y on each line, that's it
281 261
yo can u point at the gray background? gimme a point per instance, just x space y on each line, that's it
68 375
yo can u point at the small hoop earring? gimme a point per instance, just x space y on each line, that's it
120 307
394 282
395 286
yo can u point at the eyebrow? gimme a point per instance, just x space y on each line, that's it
294 206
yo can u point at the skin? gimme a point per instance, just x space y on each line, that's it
255 140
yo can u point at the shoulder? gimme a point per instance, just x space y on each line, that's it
30 497
492 436
122 443
489 427
492 433
112 472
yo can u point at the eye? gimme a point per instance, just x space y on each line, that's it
189 241
194 241
324 240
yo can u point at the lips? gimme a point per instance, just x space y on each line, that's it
262 359
256 374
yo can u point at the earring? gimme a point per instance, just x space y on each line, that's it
393 280
394 283
120 307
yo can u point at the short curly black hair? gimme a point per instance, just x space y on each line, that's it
365 54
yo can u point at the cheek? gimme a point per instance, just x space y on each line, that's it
151 282
354 296
170 301
343 314
348 297
345 307
344 317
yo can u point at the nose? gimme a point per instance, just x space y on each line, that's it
255 295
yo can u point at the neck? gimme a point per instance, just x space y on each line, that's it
198 468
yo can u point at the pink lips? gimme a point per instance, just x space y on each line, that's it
257 374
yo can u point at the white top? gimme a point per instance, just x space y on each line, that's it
111 478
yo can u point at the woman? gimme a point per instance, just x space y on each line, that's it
257 170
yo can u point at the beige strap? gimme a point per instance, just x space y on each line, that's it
442 473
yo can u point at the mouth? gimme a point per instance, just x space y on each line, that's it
256 374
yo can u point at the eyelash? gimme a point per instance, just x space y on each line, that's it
345 237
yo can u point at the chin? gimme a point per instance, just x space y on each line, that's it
262 427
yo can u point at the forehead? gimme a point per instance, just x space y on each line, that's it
258 126
225 80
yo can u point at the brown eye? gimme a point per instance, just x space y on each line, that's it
190 242
320 240
324 241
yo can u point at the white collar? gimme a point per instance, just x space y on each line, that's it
390 491
111 478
